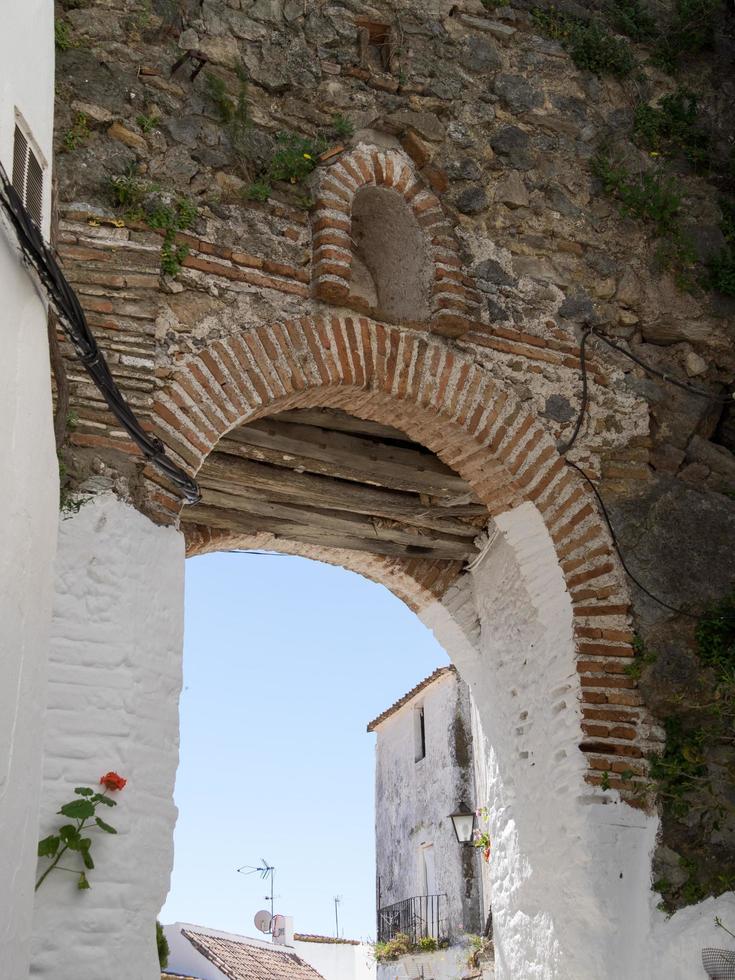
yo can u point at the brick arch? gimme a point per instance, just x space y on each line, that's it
453 302
442 399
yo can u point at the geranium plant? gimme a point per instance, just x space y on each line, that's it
481 835
82 811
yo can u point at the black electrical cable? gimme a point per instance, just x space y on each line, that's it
65 304
675 609
684 385
564 449
583 402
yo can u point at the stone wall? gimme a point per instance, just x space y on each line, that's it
29 503
486 131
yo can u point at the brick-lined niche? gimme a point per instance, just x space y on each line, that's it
382 245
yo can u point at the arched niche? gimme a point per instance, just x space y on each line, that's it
391 267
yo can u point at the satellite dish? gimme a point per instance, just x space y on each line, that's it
263 921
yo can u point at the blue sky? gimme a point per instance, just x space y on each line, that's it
285 662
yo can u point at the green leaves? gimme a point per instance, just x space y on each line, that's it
69 839
86 856
48 846
78 809
104 826
68 832
99 798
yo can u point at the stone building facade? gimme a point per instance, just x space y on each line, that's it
428 885
423 250
424 768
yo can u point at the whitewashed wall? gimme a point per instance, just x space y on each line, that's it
413 801
570 877
338 961
444 964
28 490
113 691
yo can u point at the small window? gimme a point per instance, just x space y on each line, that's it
419 728
27 175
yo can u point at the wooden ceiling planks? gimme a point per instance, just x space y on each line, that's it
320 476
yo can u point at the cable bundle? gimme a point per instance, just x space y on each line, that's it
65 304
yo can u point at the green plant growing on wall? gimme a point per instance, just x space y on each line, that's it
233 113
632 18
590 45
481 948
401 944
164 950
63 39
672 127
685 774
171 214
342 127
656 199
146 123
643 658
171 219
78 133
128 192
721 267
690 29
294 159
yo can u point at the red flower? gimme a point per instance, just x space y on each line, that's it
111 780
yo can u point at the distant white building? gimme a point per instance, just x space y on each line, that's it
428 886
198 953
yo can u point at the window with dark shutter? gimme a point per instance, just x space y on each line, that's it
27 176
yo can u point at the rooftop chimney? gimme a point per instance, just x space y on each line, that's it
283 930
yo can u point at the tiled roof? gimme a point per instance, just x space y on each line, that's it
306 937
439 672
240 960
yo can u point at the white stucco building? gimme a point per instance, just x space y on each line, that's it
198 953
429 886
29 488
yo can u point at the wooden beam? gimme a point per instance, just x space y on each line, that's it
346 457
333 418
342 522
291 530
244 477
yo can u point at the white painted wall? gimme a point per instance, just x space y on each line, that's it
113 691
28 490
570 877
338 961
444 964
413 800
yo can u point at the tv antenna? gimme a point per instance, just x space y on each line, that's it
266 871
337 900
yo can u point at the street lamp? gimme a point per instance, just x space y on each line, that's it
463 820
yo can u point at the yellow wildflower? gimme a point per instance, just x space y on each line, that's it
307 156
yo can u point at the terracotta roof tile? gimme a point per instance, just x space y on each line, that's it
240 960
439 672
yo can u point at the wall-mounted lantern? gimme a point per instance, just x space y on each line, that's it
464 821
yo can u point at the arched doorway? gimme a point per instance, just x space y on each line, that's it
535 621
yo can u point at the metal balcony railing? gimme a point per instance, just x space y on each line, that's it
416 918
